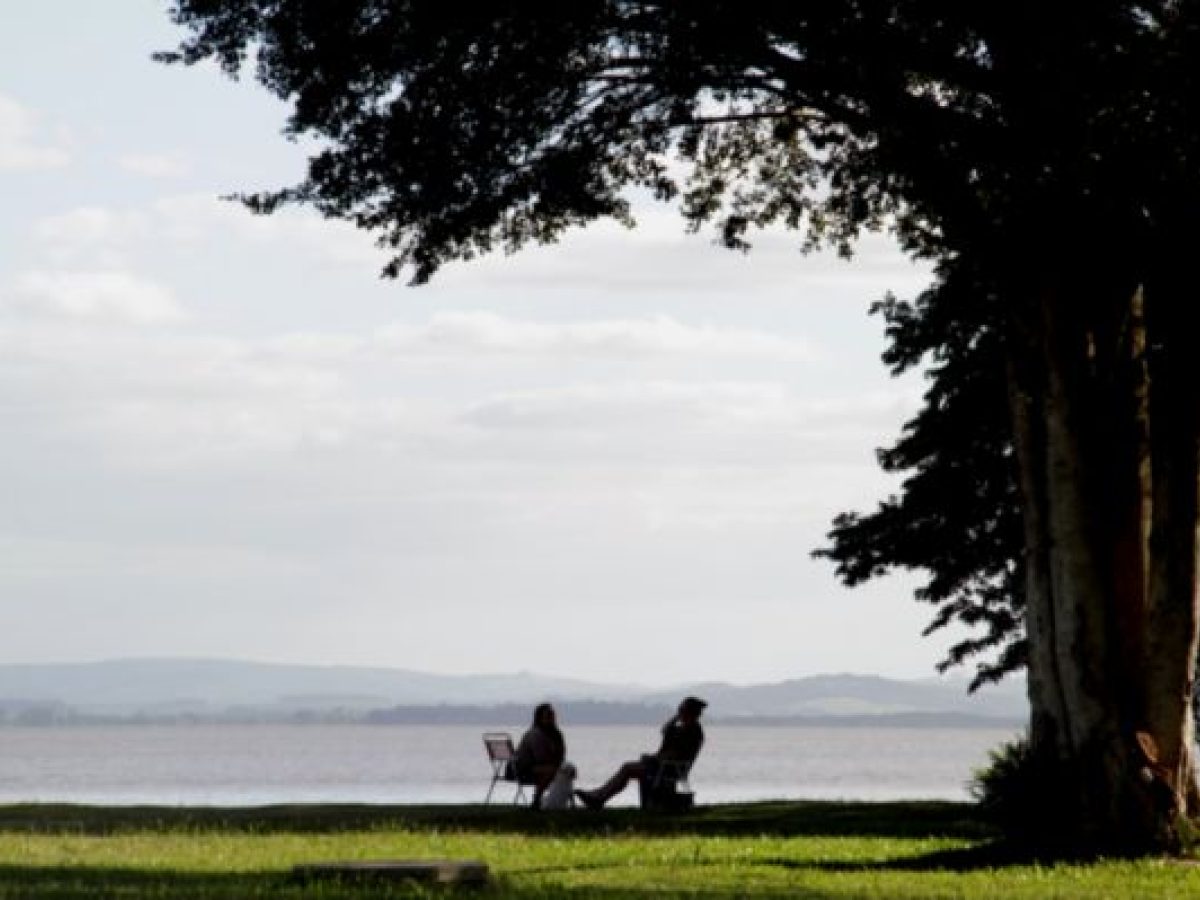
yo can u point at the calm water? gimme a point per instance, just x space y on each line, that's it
258 764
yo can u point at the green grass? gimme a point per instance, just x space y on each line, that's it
770 850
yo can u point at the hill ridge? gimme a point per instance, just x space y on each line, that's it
124 686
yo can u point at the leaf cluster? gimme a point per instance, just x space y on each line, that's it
956 517
451 130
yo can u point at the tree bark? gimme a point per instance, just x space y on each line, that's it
1082 598
1171 634
1108 443
1026 404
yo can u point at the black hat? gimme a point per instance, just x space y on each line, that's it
693 704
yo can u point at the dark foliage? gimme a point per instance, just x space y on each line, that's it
956 516
1025 795
454 130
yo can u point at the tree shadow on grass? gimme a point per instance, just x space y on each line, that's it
904 819
73 882
63 882
986 856
518 892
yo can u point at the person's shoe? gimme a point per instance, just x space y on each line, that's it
588 799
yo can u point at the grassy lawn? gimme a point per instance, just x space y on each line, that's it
819 850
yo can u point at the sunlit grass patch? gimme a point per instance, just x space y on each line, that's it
742 850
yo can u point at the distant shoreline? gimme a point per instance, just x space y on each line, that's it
490 717
164 692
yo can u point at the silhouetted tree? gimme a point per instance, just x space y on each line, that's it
957 514
1050 148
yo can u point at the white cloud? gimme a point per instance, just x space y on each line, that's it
690 422
660 258
90 225
105 296
152 165
179 219
92 236
475 332
193 217
20 146
197 218
177 398
631 405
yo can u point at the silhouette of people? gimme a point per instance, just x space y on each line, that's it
540 752
682 738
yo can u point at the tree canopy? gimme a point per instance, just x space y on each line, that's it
1042 155
451 131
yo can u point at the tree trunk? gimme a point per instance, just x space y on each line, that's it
1109 463
1171 644
1026 403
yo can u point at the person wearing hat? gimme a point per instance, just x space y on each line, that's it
682 738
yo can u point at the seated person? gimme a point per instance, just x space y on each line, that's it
682 738
541 752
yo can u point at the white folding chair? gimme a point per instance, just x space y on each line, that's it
502 756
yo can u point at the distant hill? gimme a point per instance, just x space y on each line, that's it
859 695
208 688
126 685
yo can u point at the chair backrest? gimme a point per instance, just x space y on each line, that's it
499 746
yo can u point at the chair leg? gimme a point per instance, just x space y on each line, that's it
491 787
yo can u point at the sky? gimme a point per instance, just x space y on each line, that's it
226 436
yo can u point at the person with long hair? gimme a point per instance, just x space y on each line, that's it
541 752
682 738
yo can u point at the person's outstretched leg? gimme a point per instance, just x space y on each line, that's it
595 799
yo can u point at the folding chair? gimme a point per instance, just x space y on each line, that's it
667 787
502 756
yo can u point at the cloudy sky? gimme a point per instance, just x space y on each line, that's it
226 436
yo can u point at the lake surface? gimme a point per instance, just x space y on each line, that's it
247 765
